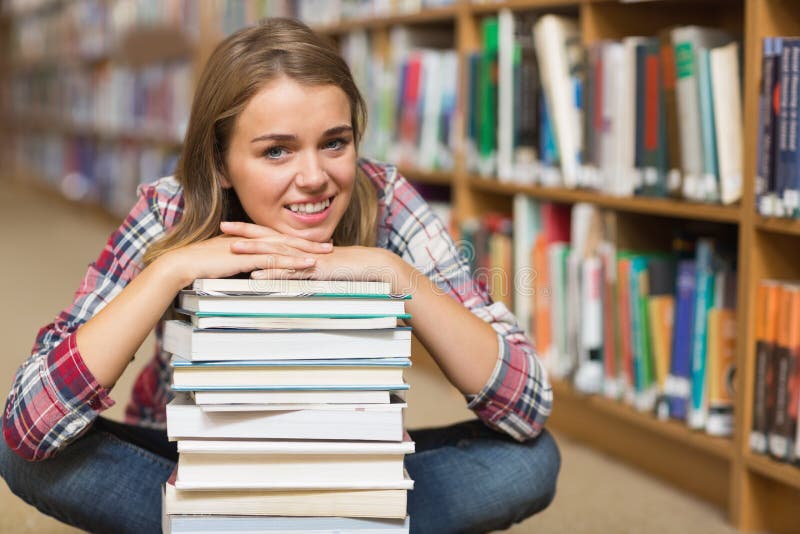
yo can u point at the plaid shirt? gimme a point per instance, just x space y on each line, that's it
54 397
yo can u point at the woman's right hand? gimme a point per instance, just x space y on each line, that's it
218 258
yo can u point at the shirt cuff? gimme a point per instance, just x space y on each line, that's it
502 402
73 385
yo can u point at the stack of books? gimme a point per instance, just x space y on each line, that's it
288 408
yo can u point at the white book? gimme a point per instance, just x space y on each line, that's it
431 109
368 422
526 228
288 503
303 306
687 40
188 343
289 373
225 524
292 287
256 322
505 96
306 396
725 83
557 41
200 471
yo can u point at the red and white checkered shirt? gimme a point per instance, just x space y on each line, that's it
54 397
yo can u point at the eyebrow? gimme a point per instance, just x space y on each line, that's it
336 130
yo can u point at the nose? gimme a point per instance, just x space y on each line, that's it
311 175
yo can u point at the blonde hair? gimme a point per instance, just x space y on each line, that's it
241 65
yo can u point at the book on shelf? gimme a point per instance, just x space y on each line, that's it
188 343
629 322
292 465
371 422
767 302
279 305
373 372
225 524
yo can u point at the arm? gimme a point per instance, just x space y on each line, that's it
76 360
513 391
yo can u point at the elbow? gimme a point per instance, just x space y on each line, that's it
26 445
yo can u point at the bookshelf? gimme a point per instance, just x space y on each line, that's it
755 492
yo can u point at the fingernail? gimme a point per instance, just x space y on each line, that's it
224 224
258 275
327 246
309 261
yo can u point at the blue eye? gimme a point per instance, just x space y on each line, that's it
275 152
335 144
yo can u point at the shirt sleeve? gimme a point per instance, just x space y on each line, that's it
518 397
54 397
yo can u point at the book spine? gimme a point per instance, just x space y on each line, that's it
791 193
704 298
678 385
769 113
782 146
688 95
709 181
765 315
721 371
673 141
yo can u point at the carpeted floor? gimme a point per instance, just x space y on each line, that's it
47 245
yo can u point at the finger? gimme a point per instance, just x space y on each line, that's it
283 274
244 229
280 245
279 261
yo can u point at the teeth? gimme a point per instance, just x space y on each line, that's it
310 207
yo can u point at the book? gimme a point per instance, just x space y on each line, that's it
721 370
189 343
677 386
368 422
704 300
385 503
226 524
204 320
725 82
318 305
766 335
288 373
687 40
290 287
205 465
282 396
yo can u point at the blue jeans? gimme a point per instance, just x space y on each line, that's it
468 478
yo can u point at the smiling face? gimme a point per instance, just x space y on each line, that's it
292 158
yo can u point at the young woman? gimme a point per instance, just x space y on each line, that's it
269 185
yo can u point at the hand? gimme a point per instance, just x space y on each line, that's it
229 254
349 263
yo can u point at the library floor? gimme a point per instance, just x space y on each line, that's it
47 245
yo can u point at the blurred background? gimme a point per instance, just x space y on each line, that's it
94 100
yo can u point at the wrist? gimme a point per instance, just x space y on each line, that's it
168 268
399 273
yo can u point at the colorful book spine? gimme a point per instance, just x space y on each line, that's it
704 299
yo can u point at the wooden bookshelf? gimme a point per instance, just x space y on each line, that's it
756 492
678 209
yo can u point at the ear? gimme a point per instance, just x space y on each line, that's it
224 182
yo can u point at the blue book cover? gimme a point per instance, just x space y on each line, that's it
783 163
678 382
765 175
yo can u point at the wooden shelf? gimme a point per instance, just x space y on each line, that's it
784 473
673 430
427 177
40 124
778 226
439 14
519 5
652 206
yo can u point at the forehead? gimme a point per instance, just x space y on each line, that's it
286 104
